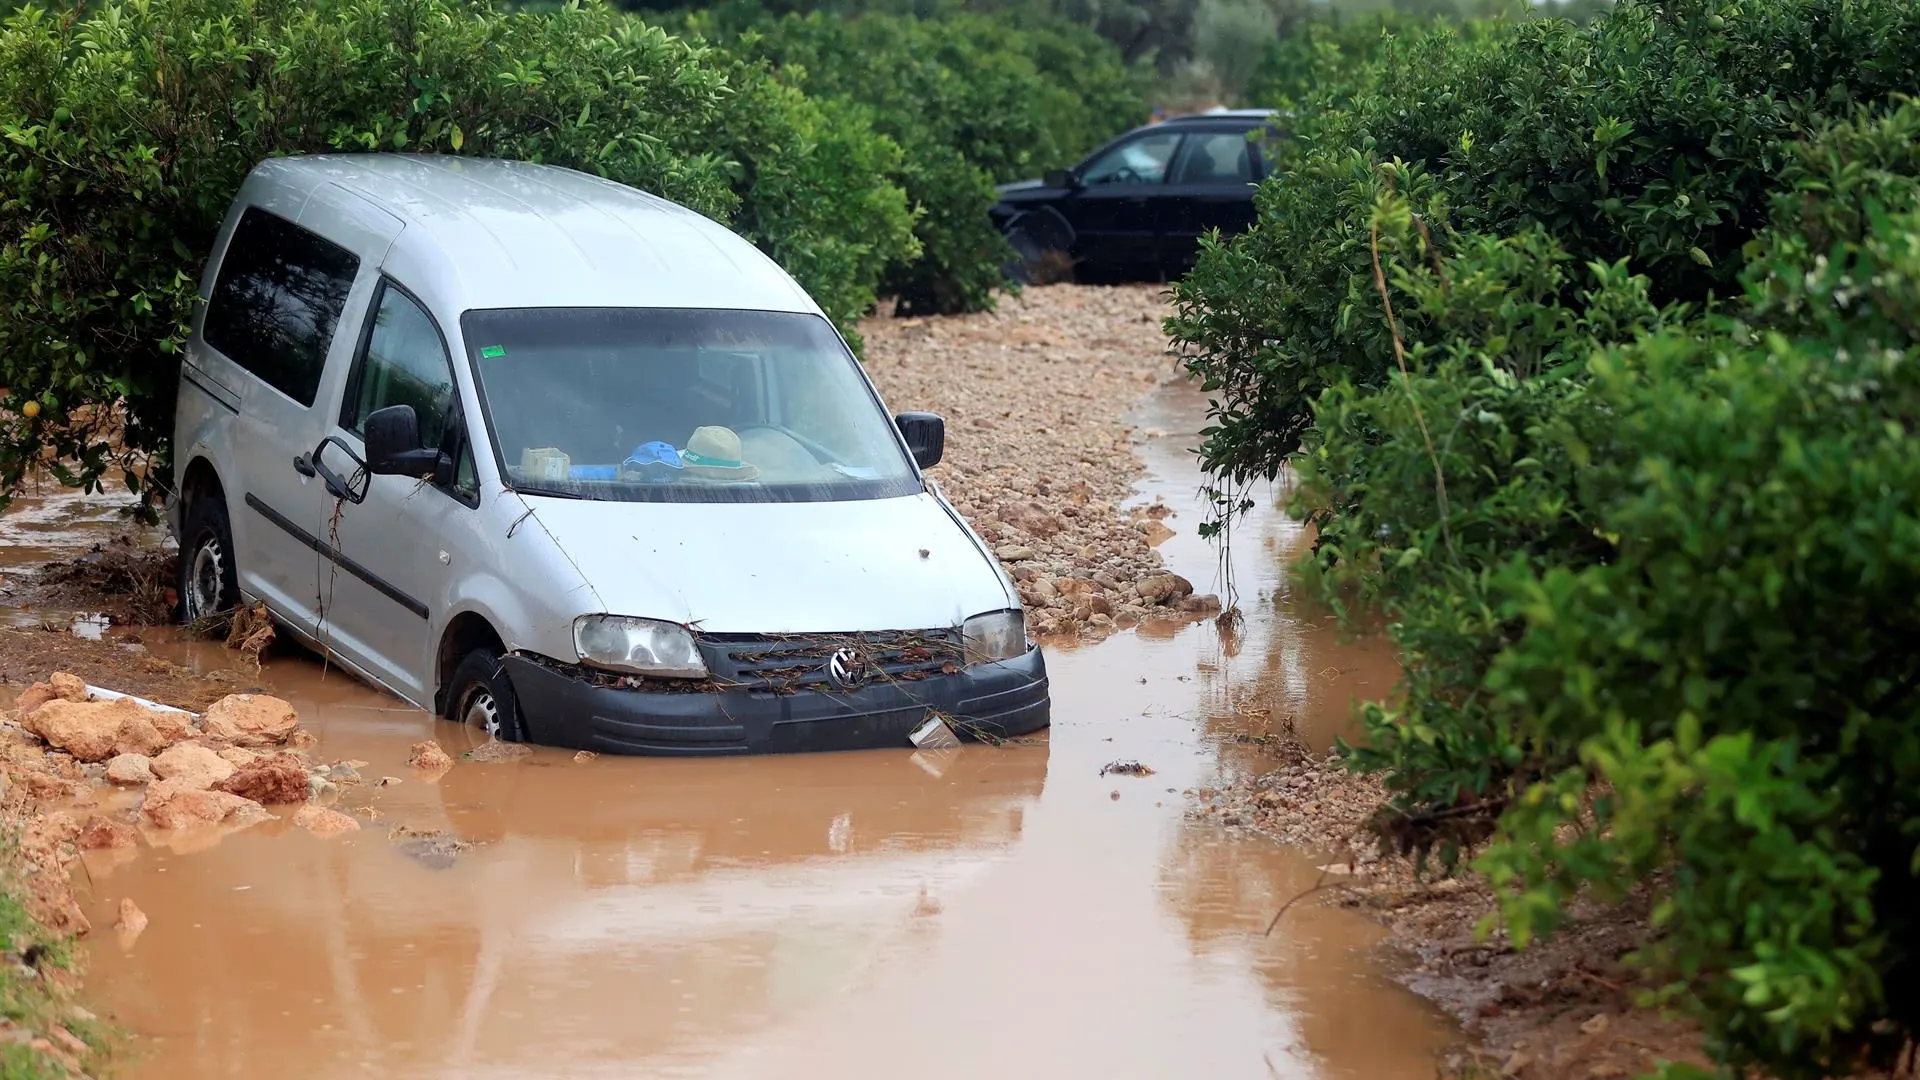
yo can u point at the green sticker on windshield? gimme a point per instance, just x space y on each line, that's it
491 351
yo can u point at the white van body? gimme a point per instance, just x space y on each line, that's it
672 601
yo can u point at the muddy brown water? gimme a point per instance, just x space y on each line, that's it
1005 912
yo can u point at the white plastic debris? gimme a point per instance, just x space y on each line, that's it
103 694
934 735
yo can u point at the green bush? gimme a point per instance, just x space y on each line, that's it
1639 496
971 100
124 134
1655 134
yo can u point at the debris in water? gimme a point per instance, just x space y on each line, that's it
387 781
90 627
431 848
324 822
934 735
427 756
495 751
1126 767
132 921
1115 796
585 756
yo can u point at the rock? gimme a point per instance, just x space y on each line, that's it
130 769
89 730
270 781
132 919
302 739
323 822
1161 589
1100 621
1015 553
1208 604
251 720
172 805
1100 605
100 833
494 751
238 756
427 756
138 735
61 687
193 765
319 788
1043 590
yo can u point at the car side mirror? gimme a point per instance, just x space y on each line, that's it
926 436
1061 178
393 444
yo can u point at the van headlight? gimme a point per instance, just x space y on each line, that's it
997 635
642 646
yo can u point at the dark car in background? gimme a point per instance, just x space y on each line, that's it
1136 207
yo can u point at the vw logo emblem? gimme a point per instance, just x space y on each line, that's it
846 669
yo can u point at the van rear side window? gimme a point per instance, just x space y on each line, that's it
280 292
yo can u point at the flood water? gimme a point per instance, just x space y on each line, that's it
982 912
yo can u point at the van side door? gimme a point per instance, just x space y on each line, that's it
269 326
399 547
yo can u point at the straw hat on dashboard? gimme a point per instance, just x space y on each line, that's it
714 453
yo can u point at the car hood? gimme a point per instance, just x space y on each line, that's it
774 568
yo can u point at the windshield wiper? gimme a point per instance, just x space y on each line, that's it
554 492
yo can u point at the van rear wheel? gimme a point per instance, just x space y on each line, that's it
481 695
209 584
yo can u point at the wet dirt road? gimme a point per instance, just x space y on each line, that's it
1006 912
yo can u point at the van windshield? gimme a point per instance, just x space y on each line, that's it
681 405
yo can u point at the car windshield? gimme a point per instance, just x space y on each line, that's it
681 405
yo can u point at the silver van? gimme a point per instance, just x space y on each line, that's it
548 455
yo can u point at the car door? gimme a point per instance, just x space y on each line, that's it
1114 209
271 322
1210 187
394 550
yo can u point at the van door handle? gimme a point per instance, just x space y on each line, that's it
303 465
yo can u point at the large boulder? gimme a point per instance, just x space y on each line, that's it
191 765
60 687
251 720
89 730
1164 589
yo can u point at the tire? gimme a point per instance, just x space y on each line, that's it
1030 255
209 583
480 695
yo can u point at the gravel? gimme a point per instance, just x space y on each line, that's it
1039 456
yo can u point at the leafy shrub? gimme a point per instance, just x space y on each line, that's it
124 133
1639 495
971 100
1654 134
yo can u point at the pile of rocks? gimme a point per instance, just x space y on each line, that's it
65 751
1039 456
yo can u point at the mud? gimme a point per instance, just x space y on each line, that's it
980 911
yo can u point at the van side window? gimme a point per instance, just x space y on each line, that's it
279 295
403 363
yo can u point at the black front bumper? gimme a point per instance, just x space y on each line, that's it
564 709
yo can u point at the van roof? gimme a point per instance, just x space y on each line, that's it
483 233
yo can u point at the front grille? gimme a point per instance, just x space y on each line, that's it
789 664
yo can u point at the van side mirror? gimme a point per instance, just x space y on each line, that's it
1061 178
393 444
926 436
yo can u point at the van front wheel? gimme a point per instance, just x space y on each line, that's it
209 584
480 695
